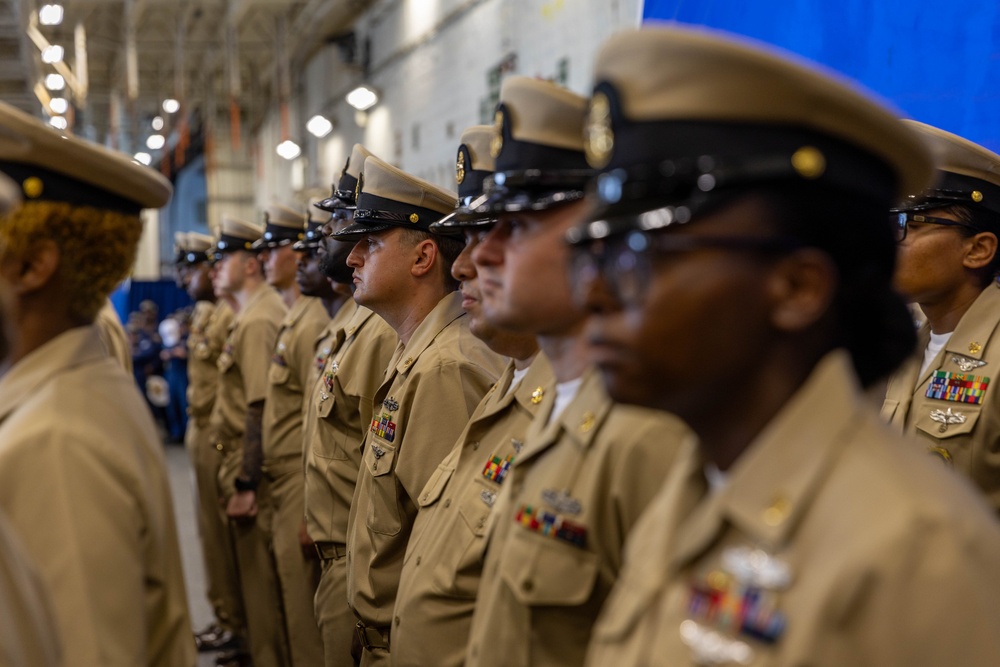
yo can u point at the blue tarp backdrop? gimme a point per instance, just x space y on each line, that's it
939 62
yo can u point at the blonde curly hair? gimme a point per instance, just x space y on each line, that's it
97 247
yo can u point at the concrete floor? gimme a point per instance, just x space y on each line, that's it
181 481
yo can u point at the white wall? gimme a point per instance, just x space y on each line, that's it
431 60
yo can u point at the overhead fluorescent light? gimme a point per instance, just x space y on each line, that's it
319 126
362 98
50 14
155 142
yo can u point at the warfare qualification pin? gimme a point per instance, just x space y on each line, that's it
966 364
946 418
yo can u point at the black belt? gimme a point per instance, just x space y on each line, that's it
330 550
372 637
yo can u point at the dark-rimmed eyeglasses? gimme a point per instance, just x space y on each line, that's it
625 262
902 220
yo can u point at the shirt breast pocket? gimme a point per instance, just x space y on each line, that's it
278 374
225 362
943 420
541 571
383 508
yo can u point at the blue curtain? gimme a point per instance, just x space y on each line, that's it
936 61
164 293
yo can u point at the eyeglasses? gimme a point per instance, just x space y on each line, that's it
625 262
901 223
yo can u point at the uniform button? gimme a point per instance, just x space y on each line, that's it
418 560
423 498
218 446
482 522
528 585
475 445
447 503
397 621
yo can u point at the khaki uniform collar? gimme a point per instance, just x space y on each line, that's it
76 347
773 482
539 373
298 309
252 302
444 313
579 423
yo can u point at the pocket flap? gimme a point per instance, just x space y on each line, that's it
436 484
944 419
379 456
278 374
541 571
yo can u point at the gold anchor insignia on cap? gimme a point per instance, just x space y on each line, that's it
599 138
414 217
460 167
975 348
977 196
358 186
496 142
536 396
32 187
946 418
587 422
809 162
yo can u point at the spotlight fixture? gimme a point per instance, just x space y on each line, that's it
157 123
52 54
51 14
319 126
143 158
58 122
155 142
170 105
55 81
288 149
59 105
362 98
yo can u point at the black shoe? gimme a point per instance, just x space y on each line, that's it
215 638
237 658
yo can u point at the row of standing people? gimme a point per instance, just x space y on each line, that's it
466 463
467 512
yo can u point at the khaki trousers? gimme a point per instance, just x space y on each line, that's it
336 620
297 575
222 584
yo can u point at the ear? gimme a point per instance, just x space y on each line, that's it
981 250
425 256
801 288
35 269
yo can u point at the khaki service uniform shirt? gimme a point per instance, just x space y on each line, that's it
444 558
113 335
29 636
84 484
555 547
209 329
430 389
357 354
289 373
830 543
244 361
953 409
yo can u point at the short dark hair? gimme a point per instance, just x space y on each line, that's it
448 249
982 220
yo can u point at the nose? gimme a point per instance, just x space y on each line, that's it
463 268
355 259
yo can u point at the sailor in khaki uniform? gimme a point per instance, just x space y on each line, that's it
799 530
27 623
209 327
438 374
352 359
291 370
444 558
236 422
82 475
948 265
587 468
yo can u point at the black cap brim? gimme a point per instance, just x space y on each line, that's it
358 230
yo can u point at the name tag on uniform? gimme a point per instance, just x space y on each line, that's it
958 387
